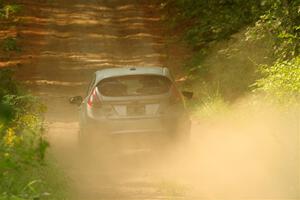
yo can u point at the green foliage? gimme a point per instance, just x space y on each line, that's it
22 145
281 80
206 21
282 23
25 174
228 68
9 10
194 67
209 106
8 85
206 24
10 44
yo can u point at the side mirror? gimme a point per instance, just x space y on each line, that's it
76 100
188 95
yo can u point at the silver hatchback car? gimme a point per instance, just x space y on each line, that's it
134 101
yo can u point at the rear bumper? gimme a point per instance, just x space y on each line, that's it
158 126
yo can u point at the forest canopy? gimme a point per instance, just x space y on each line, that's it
276 22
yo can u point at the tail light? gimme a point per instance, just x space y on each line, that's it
175 95
94 100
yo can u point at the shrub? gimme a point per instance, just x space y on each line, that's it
281 23
210 106
9 10
281 80
22 144
206 24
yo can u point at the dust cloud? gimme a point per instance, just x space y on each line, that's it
250 152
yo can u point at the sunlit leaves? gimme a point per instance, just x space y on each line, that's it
281 22
9 10
281 80
272 22
22 145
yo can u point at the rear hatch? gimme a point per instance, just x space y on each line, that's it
132 96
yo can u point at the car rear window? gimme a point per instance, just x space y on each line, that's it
134 85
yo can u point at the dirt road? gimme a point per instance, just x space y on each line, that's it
69 42
66 41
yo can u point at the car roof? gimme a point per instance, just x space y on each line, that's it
125 71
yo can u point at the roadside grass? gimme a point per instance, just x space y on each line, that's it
209 107
41 182
51 183
26 173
